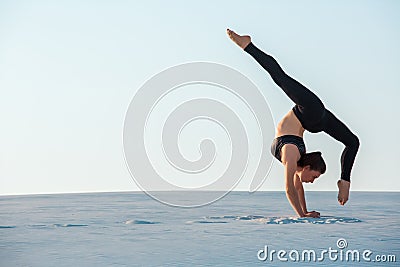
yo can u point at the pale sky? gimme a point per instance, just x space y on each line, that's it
69 69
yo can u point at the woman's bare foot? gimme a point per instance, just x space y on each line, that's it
240 40
344 191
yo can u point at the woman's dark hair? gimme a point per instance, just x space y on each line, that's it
314 160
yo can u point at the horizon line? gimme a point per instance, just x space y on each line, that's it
166 191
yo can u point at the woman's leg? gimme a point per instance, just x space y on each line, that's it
339 131
309 105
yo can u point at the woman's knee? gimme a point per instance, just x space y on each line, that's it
354 142
280 78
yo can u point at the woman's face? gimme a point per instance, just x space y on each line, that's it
307 175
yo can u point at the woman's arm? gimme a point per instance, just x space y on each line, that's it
300 192
290 156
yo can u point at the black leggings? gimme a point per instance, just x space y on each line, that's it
310 110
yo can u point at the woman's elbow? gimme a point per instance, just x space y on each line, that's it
290 190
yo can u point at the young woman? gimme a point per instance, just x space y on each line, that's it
308 114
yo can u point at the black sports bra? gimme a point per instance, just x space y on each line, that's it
280 141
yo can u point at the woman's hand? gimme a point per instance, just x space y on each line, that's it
312 214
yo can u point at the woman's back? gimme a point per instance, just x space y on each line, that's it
289 125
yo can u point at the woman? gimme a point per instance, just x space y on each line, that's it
308 114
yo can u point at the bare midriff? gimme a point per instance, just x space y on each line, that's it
289 125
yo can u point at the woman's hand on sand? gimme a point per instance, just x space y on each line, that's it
312 214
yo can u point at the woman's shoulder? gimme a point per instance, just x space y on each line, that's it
288 146
290 153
